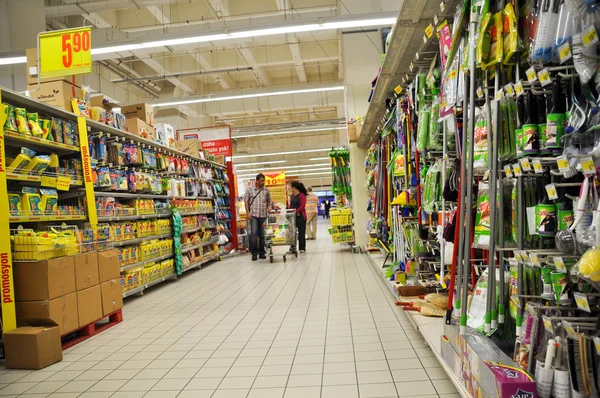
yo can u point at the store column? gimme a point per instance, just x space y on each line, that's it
361 58
20 22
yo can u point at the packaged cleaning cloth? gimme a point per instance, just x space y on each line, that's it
482 219
510 36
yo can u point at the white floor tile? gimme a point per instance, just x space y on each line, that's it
346 391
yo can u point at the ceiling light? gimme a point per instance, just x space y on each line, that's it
289 132
325 158
288 171
255 163
259 155
13 60
255 95
287 167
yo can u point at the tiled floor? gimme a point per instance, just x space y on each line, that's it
320 326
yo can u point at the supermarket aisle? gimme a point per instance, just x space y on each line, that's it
321 326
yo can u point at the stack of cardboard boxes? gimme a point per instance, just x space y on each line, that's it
72 291
140 120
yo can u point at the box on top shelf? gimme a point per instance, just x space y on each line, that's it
62 310
57 93
33 346
32 71
140 128
108 265
44 280
86 270
112 296
102 102
190 146
144 112
89 305
220 159
165 134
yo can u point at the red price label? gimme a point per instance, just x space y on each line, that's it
74 43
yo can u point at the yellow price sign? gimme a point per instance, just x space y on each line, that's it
525 165
398 90
588 166
499 94
509 89
63 183
65 52
563 163
479 92
582 302
551 191
518 257
544 77
49 182
537 166
535 260
560 264
531 75
564 52
429 31
517 170
508 171
547 323
590 36
519 89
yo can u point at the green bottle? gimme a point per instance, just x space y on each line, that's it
556 118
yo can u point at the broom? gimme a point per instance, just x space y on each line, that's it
427 310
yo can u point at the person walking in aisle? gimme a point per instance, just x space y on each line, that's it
298 202
322 207
312 213
327 207
258 201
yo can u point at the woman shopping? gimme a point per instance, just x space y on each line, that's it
298 202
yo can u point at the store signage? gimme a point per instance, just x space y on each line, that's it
275 178
65 52
215 140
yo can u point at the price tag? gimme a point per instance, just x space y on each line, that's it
517 170
587 165
65 52
435 19
551 191
509 90
425 39
563 163
531 75
429 31
398 90
544 77
547 323
589 36
569 328
560 264
518 257
479 93
537 166
519 89
508 170
513 262
535 260
499 94
582 302
442 7
486 175
525 257
63 183
525 165
564 52
49 182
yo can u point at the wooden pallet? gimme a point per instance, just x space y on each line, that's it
92 329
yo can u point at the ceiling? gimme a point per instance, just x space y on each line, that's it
230 67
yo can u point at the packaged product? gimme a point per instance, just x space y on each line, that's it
22 124
11 120
482 219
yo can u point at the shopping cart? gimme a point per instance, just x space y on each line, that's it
280 230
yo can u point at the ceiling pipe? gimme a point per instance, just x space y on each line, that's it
180 75
138 85
132 72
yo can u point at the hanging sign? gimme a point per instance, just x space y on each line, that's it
274 178
65 52
215 140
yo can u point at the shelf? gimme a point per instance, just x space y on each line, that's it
14 139
32 105
141 288
99 127
139 240
149 260
133 217
129 195
190 248
36 178
19 219
192 230
195 213
197 264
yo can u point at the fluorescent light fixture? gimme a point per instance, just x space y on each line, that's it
255 95
325 158
289 132
292 174
255 163
289 171
260 155
311 27
288 167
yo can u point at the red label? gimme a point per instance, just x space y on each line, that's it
7 296
218 147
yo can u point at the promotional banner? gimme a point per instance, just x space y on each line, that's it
215 140
277 186
65 52
274 178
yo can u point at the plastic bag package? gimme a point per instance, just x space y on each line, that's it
481 238
423 129
547 22
564 31
510 35
483 42
495 36
435 131
432 187
480 149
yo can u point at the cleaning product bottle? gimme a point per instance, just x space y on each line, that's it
565 213
541 109
556 118
545 213
531 142
519 129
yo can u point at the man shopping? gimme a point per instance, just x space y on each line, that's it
312 211
258 201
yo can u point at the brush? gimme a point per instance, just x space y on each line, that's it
411 291
578 359
427 310
585 364
572 364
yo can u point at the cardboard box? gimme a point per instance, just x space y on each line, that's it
352 132
57 94
89 305
86 270
220 159
32 71
112 296
165 134
62 310
190 146
144 112
44 280
34 346
140 128
108 265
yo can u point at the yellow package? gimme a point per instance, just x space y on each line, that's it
14 204
483 41
495 32
46 125
509 34
31 203
22 124
38 164
21 161
49 203
34 126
